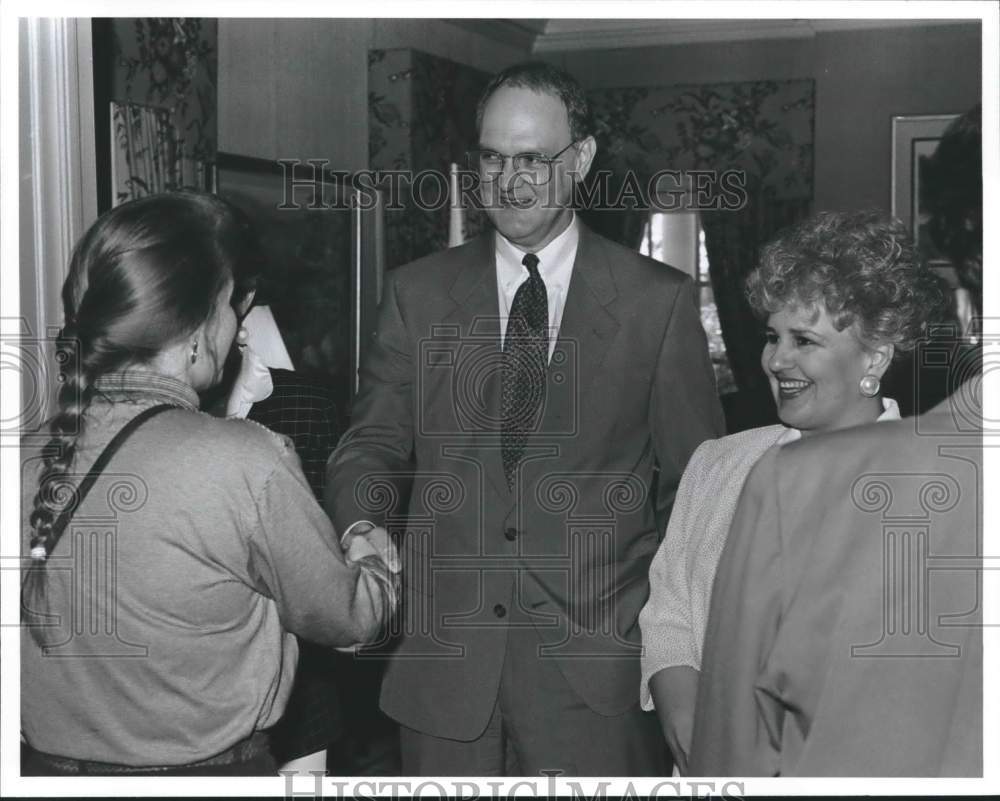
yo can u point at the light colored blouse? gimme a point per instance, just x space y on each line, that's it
682 571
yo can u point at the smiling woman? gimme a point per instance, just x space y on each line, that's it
815 370
844 297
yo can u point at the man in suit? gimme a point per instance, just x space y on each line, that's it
845 632
523 394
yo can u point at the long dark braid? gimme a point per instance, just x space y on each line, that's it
145 275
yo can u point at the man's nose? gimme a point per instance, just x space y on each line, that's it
510 177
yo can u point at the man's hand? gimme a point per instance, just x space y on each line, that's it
363 539
674 690
371 548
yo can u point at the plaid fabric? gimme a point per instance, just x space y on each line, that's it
304 409
312 719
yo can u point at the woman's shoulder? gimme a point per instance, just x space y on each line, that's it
225 447
764 436
235 436
742 446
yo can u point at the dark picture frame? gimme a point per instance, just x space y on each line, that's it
914 140
322 239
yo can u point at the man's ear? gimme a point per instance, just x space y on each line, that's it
585 152
879 359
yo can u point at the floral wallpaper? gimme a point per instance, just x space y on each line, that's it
764 128
421 116
167 65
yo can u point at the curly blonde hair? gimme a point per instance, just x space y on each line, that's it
862 267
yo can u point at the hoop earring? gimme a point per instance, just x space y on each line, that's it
869 386
194 353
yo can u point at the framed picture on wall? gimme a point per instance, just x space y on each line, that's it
323 252
914 140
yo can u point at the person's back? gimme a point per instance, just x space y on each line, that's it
862 635
172 555
887 607
845 632
162 586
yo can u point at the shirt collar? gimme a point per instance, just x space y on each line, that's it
551 259
137 385
890 410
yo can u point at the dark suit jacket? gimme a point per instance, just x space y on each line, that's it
845 636
629 387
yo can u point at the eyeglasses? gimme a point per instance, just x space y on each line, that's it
535 168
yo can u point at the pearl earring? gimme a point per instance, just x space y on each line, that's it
194 353
869 386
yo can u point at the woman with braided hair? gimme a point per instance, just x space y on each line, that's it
173 555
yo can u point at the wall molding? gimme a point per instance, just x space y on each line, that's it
562 35
516 33
58 191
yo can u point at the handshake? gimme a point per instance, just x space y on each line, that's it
372 550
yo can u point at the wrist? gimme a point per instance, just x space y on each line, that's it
357 528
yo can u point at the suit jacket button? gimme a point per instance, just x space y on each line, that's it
510 534
500 610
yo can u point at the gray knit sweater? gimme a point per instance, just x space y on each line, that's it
178 585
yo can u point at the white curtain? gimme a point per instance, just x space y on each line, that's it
456 215
147 154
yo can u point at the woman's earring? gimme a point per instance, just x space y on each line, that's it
242 336
869 385
972 334
194 353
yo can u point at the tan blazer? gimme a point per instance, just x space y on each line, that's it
844 637
630 388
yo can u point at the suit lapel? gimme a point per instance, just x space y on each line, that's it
587 330
477 314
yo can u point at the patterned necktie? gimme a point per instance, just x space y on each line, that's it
526 350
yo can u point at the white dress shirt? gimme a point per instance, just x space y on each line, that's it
555 266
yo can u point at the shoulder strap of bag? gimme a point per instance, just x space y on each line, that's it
102 461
